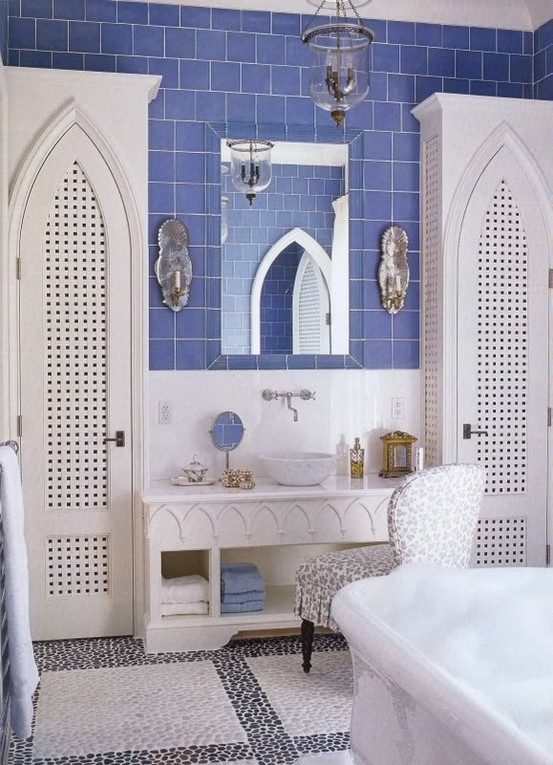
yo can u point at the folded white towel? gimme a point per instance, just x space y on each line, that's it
184 589
174 609
23 671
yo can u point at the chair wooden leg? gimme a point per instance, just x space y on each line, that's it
307 631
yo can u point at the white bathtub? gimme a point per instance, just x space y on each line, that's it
451 666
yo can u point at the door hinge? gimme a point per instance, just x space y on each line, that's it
19 425
547 555
548 416
18 269
550 278
327 318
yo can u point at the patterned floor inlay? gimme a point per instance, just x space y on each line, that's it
156 707
292 693
106 702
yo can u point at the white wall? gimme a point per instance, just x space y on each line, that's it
352 402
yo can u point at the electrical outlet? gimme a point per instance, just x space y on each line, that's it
164 413
398 408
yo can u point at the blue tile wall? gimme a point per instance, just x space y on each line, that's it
543 61
247 66
4 29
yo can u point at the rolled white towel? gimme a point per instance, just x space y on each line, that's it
176 609
185 589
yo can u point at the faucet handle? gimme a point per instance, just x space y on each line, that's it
269 395
307 394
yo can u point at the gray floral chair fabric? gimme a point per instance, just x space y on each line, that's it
432 516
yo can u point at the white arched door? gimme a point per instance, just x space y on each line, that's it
310 309
503 351
75 392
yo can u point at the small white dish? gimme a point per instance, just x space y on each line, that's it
182 480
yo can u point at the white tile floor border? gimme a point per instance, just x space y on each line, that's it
141 707
292 692
327 758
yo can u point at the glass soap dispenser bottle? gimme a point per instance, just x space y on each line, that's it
356 460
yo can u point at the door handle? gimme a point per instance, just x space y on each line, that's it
119 438
468 432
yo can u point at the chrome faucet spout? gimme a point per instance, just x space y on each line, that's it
289 400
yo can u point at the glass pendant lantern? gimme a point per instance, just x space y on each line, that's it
250 165
339 69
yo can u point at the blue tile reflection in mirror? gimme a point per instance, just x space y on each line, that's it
224 320
227 431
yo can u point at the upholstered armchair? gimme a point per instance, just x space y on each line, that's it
432 516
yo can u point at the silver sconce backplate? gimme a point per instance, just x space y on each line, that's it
393 271
173 267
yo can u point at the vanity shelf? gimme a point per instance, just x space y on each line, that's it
276 527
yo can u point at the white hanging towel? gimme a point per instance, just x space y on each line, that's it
23 671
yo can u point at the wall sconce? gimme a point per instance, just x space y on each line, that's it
173 267
250 165
397 454
339 71
224 219
393 271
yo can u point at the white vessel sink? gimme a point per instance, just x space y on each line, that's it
298 468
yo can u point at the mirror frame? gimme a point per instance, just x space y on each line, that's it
235 444
215 132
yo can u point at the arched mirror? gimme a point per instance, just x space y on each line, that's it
227 433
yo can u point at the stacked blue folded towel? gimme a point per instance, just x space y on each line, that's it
242 588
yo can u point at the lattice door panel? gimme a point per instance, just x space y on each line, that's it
309 312
500 542
75 347
78 565
502 345
432 301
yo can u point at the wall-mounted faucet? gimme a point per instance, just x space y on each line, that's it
289 400
304 394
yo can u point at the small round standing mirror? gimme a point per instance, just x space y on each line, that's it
227 433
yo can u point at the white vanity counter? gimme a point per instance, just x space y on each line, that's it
164 491
196 528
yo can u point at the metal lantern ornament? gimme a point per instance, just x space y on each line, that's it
397 454
339 70
250 165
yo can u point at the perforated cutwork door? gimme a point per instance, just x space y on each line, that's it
75 351
75 392
311 332
503 369
502 373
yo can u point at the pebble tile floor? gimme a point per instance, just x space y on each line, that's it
105 702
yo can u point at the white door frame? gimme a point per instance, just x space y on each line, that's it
503 137
125 165
310 245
